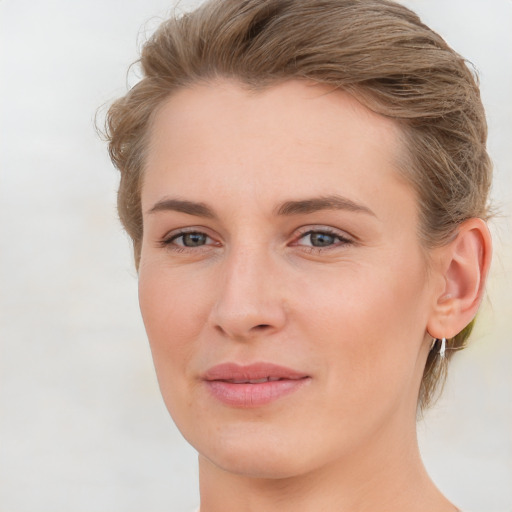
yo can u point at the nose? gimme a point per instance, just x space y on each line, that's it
250 299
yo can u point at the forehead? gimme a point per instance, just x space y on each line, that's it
296 136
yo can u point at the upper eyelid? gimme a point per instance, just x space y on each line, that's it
326 229
176 233
183 233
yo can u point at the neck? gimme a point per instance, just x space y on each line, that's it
386 474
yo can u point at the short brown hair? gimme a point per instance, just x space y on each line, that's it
377 50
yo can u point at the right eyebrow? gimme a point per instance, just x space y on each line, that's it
183 206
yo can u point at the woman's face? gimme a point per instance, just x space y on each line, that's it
280 242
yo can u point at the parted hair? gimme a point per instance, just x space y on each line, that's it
377 50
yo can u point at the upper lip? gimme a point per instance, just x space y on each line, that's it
233 372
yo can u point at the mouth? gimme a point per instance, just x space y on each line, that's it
254 381
252 385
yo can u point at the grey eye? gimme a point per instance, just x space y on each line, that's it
192 239
319 239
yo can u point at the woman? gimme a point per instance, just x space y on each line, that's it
306 187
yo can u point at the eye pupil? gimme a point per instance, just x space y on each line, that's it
194 239
322 239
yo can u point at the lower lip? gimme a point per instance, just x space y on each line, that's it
248 396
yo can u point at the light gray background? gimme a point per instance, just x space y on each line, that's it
82 425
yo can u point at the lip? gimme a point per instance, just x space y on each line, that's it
253 385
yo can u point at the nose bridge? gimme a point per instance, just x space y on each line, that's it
248 300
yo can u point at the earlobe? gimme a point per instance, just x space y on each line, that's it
464 264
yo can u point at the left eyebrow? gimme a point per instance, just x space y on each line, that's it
315 204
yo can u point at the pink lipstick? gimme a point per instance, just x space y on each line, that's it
252 385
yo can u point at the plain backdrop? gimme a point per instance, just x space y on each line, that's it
82 424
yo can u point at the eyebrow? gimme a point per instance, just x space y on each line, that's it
333 202
183 206
288 208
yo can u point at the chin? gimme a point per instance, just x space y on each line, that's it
259 451
253 463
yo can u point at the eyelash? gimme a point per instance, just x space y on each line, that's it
341 240
169 242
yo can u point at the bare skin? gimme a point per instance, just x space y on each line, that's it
278 230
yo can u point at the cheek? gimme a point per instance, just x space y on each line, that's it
371 302
173 314
367 324
171 300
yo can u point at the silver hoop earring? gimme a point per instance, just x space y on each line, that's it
442 350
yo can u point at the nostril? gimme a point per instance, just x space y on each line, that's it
253 329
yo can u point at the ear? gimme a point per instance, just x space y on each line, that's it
462 267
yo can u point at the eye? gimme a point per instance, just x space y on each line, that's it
187 240
321 238
193 239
